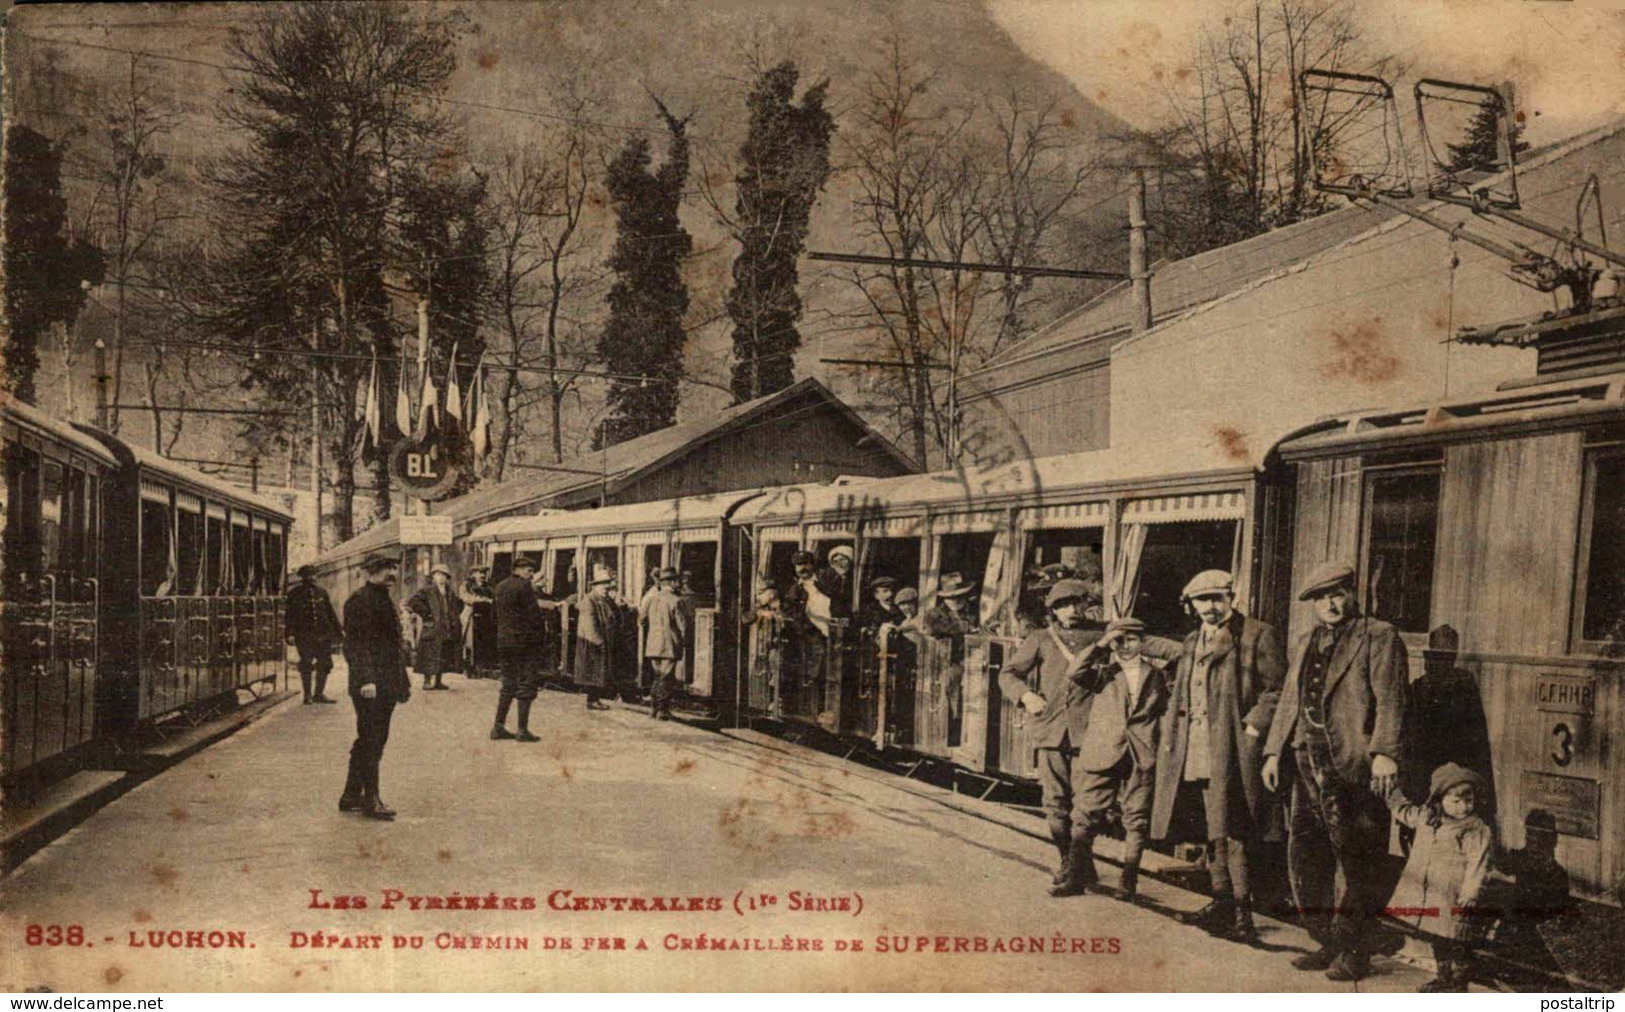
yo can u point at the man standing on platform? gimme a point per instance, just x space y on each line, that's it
1225 689
378 682
1341 719
667 642
520 642
598 639
437 613
313 629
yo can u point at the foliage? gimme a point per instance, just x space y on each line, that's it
642 342
1480 149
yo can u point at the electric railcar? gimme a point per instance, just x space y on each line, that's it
135 590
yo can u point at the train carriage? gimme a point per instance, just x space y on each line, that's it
50 615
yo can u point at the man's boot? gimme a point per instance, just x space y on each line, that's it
524 722
1080 868
1242 928
1061 836
373 806
1217 918
304 681
499 730
1128 884
321 688
354 797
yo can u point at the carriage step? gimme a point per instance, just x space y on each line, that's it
187 740
25 828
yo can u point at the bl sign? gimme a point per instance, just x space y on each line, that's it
422 469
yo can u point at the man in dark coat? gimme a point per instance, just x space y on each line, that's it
599 636
479 624
313 628
378 682
879 608
520 644
1224 694
666 644
438 615
1341 721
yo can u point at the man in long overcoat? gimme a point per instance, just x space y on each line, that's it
1336 740
666 643
312 626
378 682
598 639
521 640
1225 689
438 614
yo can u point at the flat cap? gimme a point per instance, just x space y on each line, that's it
907 594
804 559
1066 590
1207 582
1324 577
883 581
524 562
1128 624
373 563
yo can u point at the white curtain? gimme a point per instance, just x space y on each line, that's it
1126 574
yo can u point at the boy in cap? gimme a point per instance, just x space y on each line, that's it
1118 750
1341 721
313 629
1224 693
378 682
521 638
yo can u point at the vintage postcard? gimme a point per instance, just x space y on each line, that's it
761 496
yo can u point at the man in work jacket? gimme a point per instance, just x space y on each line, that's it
313 629
1224 694
378 682
1340 723
666 643
521 640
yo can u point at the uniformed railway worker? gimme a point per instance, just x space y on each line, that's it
374 651
313 629
1340 723
521 639
1225 689
666 643
438 614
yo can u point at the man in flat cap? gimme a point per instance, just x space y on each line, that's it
378 682
1118 751
666 642
312 627
521 640
1340 724
879 607
1224 693
1037 677
437 615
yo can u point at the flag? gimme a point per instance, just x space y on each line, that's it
480 430
454 397
403 403
428 409
371 420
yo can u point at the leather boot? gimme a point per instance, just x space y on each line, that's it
524 723
374 808
1242 928
1128 884
1216 918
1062 838
353 799
1080 866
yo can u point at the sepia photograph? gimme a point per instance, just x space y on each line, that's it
833 496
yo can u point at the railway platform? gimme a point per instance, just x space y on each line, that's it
607 833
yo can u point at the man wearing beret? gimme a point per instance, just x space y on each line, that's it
666 643
1340 723
313 628
378 682
1224 693
521 640
1038 678
1118 751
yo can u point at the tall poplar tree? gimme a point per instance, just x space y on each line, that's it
642 342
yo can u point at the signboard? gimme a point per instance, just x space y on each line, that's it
1574 803
425 530
1566 703
423 469
1566 694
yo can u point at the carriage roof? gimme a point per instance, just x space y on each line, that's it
27 416
659 515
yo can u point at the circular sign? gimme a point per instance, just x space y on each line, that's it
422 469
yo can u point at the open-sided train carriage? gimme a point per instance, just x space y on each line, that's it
690 535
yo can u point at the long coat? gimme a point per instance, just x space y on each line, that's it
1448 864
442 629
311 622
1243 685
518 615
669 626
372 644
598 641
1121 723
1367 682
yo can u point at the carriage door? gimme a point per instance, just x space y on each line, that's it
963 547
884 662
644 551
697 564
772 685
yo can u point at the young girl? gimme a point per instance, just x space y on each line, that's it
1445 873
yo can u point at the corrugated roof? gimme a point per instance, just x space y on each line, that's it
1182 284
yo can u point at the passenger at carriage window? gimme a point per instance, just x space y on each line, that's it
878 607
908 605
1208 786
835 580
952 614
806 602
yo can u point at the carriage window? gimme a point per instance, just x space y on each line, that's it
74 555
898 558
1162 558
698 563
242 558
1073 553
217 565
967 555
1602 609
22 539
1401 524
563 583
604 557
93 528
501 566
155 548
50 515
275 564
780 571
189 553
258 551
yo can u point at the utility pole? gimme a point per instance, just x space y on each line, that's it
316 444
101 384
1138 269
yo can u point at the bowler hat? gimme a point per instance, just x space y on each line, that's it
524 562
1127 624
1066 590
906 595
373 563
1207 583
804 559
669 573
1326 577
307 571
954 585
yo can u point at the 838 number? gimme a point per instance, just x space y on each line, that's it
54 934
